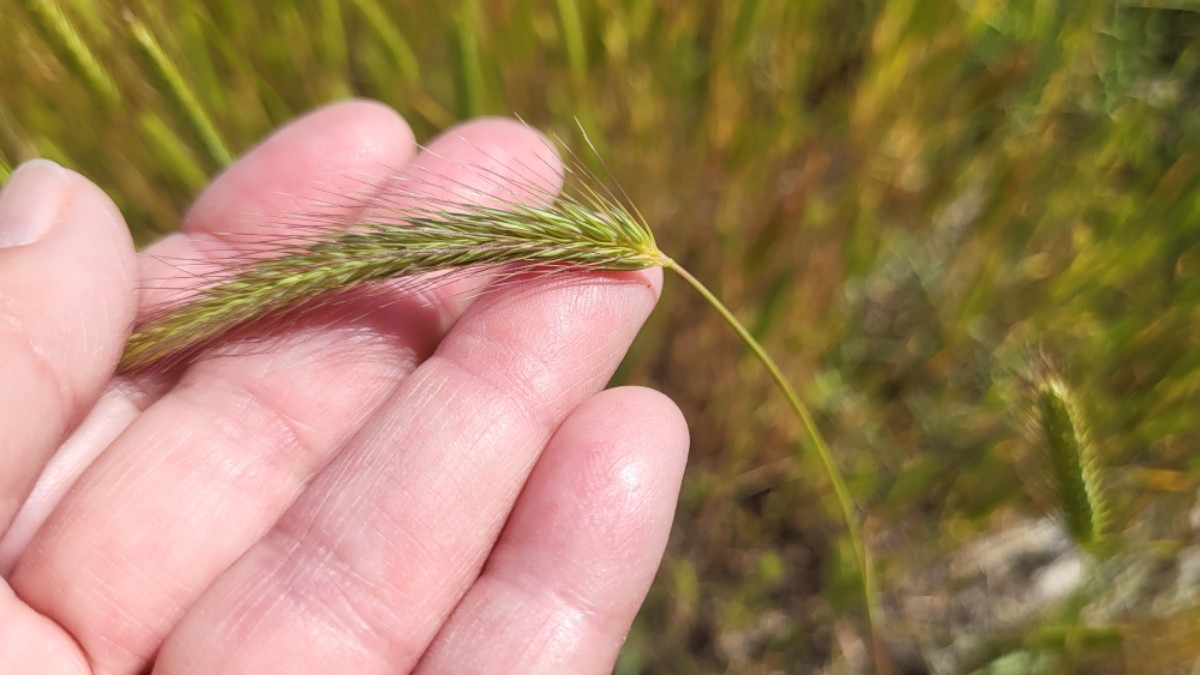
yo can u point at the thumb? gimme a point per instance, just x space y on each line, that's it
67 299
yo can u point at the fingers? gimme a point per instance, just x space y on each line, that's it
66 305
325 153
212 464
112 528
321 154
580 550
31 643
362 571
111 415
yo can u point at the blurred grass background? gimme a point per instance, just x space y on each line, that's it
915 205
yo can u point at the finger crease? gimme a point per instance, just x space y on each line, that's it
65 397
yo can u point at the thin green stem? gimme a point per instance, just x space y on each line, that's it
180 93
818 441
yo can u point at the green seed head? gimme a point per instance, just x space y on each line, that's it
583 229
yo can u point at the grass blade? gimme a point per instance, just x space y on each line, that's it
572 33
180 93
71 49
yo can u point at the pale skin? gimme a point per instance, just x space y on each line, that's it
418 483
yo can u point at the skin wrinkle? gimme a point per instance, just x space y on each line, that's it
354 630
345 614
21 341
532 583
507 420
314 573
426 390
512 410
334 527
292 440
288 422
534 376
588 298
250 615
418 541
112 641
522 645
512 428
554 636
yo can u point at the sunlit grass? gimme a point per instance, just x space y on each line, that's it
903 199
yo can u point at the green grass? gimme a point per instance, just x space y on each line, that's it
906 201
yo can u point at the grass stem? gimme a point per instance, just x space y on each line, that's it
841 491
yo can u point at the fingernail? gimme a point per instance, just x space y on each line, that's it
30 201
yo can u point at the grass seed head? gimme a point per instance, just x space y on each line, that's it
415 234
1072 459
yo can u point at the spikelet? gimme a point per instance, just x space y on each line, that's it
1072 460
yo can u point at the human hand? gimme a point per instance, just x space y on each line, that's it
410 483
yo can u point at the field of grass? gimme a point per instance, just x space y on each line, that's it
925 210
